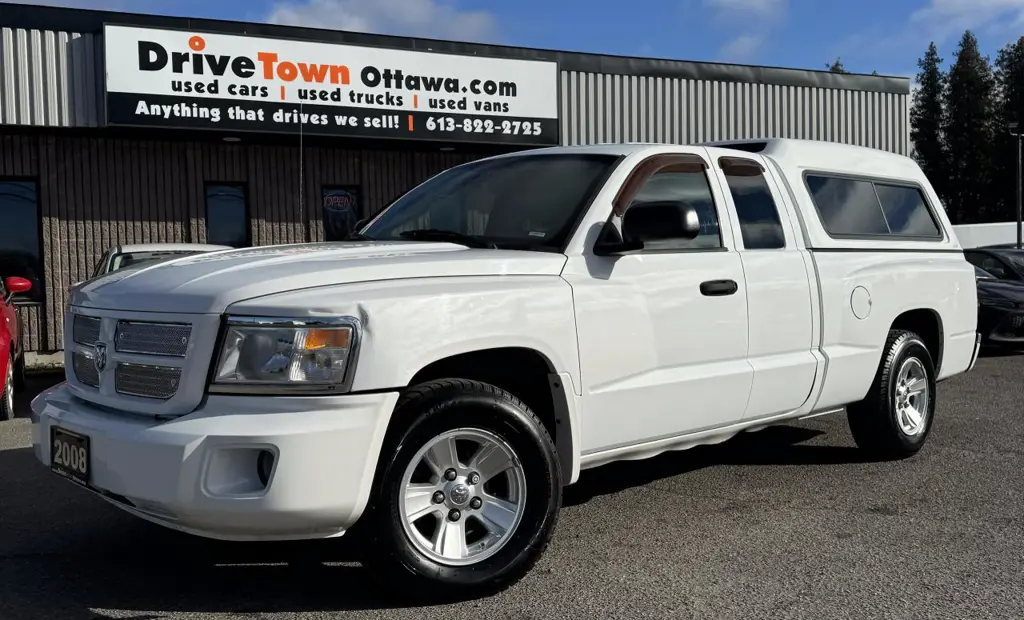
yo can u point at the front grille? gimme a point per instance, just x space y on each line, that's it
146 381
86 329
167 339
85 369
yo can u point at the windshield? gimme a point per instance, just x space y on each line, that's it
1016 259
529 202
981 273
135 260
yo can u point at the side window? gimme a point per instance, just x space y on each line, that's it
227 215
689 184
990 264
906 211
20 246
974 258
847 206
857 207
758 214
101 264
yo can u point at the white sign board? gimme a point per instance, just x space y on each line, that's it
186 79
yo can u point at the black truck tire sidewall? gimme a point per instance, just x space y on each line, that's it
469 408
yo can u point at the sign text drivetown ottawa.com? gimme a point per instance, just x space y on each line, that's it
186 79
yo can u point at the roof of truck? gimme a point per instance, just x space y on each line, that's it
818 151
791 150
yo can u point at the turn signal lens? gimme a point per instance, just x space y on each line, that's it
327 339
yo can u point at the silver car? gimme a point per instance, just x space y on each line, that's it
139 254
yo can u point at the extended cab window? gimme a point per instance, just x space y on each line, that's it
690 185
758 214
858 207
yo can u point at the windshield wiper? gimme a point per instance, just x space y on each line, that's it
435 234
357 236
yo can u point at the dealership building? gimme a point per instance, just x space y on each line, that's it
120 128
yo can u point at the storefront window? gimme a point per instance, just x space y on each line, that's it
523 202
20 247
227 215
340 211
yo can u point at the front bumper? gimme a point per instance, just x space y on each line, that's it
1002 327
198 473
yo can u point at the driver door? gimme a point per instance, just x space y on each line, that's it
663 331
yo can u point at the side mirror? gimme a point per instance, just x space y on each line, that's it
652 221
15 286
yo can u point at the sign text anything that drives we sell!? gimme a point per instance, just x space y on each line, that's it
185 79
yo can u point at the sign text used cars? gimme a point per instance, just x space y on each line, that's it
186 79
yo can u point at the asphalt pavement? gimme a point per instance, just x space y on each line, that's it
789 522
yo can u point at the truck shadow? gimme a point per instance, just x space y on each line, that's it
776 445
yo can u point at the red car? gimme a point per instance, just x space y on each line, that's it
12 364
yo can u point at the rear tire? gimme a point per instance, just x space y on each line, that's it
514 510
894 420
7 396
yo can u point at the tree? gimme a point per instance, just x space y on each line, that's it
927 118
969 131
836 67
1010 86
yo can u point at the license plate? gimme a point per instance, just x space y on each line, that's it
69 455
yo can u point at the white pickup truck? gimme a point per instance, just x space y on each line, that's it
436 381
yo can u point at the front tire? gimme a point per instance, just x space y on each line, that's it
468 502
894 420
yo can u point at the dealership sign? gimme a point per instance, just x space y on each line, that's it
187 79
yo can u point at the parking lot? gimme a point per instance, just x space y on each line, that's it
785 523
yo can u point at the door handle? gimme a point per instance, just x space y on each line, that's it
717 288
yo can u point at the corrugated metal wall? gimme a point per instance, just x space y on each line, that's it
99 192
55 79
50 79
612 108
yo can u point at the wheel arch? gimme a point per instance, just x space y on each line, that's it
526 373
926 323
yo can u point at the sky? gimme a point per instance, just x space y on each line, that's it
887 36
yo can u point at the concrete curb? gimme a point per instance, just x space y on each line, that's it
44 363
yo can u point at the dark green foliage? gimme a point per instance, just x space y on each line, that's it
927 119
1010 108
836 67
969 129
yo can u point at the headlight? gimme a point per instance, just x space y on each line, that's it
305 355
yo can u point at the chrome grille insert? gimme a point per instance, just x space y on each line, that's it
85 369
146 381
165 339
86 329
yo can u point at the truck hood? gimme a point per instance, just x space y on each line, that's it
209 283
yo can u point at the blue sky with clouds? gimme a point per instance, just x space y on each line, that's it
882 35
